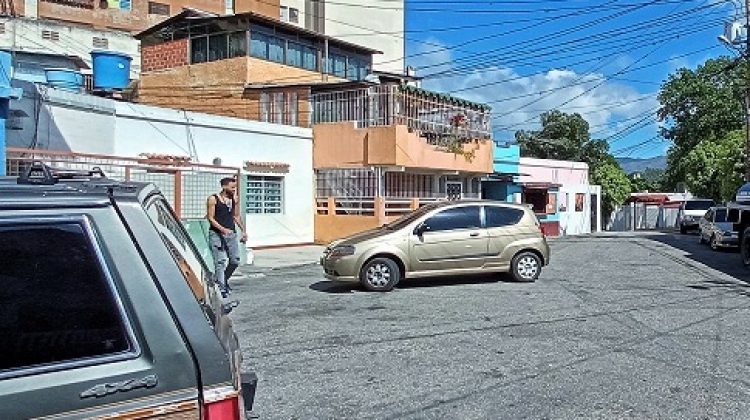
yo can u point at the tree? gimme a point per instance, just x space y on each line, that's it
563 136
614 182
650 179
714 168
700 105
566 137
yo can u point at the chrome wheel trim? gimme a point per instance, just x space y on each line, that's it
527 267
378 275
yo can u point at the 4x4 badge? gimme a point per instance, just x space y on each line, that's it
102 390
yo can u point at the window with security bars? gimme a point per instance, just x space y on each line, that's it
355 182
50 35
265 194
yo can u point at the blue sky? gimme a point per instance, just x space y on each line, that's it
605 59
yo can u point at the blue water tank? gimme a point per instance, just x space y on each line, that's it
111 70
65 79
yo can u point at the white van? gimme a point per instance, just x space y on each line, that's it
691 212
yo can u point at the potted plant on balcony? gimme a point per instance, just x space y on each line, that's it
453 141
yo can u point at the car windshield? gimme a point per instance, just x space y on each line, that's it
698 205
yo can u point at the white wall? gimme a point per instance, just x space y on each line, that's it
571 221
81 123
26 35
380 27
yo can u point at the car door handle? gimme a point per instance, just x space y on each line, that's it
474 234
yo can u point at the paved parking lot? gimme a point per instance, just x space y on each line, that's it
645 326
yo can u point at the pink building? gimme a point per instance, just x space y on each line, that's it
561 195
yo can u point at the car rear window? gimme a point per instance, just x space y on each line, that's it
721 215
56 304
496 216
698 205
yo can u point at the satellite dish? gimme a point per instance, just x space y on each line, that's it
372 79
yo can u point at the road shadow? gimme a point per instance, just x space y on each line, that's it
447 281
726 260
333 287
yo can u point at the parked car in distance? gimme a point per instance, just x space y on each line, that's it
715 230
442 239
691 212
108 310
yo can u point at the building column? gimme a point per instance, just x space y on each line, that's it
6 94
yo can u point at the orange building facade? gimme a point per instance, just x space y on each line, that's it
381 147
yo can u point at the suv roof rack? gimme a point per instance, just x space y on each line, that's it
40 174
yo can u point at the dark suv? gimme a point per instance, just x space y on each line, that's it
106 308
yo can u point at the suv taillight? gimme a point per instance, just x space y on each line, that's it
223 405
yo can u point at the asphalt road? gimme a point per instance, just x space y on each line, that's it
651 326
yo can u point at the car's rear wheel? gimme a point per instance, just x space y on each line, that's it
380 275
526 267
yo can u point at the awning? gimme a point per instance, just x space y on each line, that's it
539 185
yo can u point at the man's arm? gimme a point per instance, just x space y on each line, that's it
211 213
238 219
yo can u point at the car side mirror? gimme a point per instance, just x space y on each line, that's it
422 228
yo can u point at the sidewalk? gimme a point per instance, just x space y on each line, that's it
274 259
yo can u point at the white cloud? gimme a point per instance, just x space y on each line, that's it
518 100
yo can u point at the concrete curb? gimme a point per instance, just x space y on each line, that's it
253 269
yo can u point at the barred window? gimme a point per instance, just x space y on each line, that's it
265 194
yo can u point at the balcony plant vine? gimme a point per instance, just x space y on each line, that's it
453 143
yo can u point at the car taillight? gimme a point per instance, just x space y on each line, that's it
224 405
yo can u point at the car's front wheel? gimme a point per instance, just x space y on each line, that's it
526 267
714 243
380 275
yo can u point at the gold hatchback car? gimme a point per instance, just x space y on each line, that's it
442 239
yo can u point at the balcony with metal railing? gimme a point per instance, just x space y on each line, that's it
440 119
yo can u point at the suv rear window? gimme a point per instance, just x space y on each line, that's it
56 304
180 246
501 216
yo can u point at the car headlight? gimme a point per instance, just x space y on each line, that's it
342 251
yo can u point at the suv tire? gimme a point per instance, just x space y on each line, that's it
745 247
525 267
380 275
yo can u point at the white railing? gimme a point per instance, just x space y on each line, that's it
434 117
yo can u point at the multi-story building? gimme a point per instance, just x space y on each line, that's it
72 28
39 44
128 15
383 27
380 146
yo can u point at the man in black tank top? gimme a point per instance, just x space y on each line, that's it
223 215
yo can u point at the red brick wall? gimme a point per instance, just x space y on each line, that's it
164 56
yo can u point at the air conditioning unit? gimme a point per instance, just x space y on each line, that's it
735 32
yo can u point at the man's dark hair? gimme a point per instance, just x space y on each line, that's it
226 181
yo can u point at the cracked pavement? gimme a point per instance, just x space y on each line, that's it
623 326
